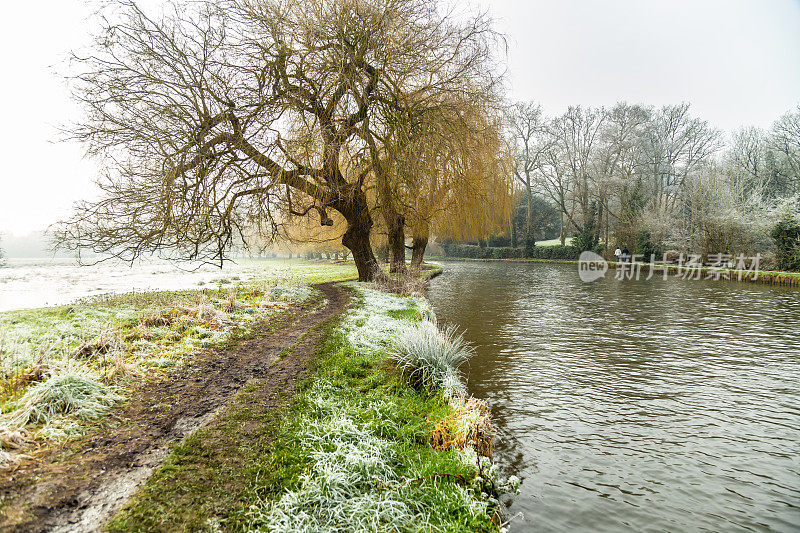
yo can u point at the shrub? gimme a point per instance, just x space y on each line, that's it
786 235
530 245
470 251
432 356
586 239
646 247
498 241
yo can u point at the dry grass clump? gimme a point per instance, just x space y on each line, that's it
230 304
204 311
12 442
257 291
105 343
14 439
470 425
22 377
155 319
410 284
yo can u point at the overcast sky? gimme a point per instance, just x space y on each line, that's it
736 62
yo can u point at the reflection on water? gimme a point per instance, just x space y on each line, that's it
635 405
29 283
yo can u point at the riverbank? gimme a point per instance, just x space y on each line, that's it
246 461
765 277
357 448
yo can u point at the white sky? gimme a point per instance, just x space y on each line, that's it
736 61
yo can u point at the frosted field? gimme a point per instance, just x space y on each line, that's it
31 283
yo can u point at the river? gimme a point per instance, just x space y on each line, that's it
635 405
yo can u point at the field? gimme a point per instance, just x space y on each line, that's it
63 366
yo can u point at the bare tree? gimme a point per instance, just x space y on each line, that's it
531 143
616 166
675 145
784 141
567 174
215 118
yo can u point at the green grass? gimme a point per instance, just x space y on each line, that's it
353 449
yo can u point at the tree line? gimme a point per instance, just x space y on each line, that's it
239 123
653 178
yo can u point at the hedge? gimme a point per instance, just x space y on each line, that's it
471 251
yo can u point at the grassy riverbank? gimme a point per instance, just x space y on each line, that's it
765 277
62 367
357 449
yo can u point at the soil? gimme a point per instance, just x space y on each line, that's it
78 486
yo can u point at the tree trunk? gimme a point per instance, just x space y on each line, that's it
529 221
562 236
513 228
397 241
359 223
418 252
395 228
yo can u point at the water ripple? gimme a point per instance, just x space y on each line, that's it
649 406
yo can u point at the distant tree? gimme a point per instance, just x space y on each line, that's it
784 143
675 145
2 253
530 143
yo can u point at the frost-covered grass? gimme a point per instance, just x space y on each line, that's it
69 391
382 316
362 436
120 339
431 356
353 452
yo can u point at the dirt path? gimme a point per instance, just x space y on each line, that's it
78 487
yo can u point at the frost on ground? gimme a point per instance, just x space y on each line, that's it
60 367
353 484
360 477
375 325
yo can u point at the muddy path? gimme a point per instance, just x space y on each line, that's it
80 485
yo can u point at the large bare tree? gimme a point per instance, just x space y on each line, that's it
528 132
214 118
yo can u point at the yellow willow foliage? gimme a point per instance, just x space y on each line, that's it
461 173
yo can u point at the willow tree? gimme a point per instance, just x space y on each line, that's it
214 118
462 171
461 76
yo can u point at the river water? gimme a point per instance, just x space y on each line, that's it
635 405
